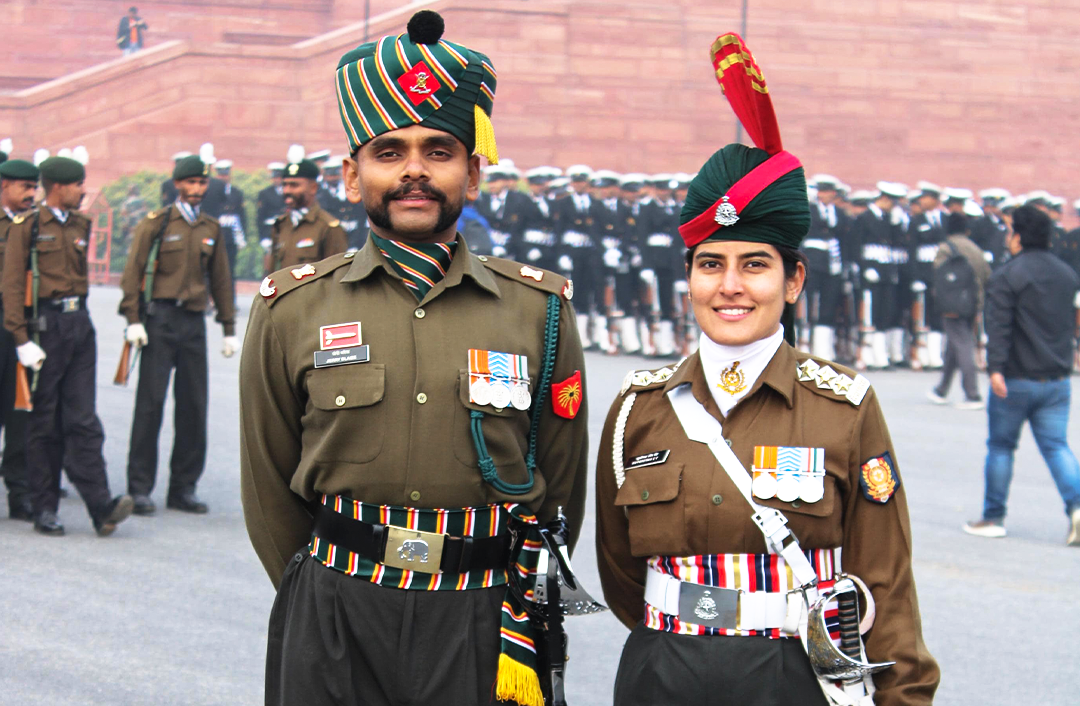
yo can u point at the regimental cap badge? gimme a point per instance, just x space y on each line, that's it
267 288
419 83
568 289
294 169
732 380
726 215
706 607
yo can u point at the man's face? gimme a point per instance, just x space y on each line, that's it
193 189
537 189
928 202
414 183
18 194
331 178
225 176
69 196
580 187
826 196
609 192
299 192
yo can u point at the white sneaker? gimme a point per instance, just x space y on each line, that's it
970 404
935 397
986 528
1074 532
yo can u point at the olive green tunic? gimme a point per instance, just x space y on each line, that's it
396 430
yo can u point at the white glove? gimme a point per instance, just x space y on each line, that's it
241 241
647 276
612 257
266 243
682 287
229 346
872 275
534 255
566 264
498 251
30 355
136 335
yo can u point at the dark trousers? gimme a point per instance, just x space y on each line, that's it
63 427
959 355
13 468
823 292
700 670
339 639
177 340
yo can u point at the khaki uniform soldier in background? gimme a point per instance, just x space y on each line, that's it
305 233
176 253
406 411
18 185
45 268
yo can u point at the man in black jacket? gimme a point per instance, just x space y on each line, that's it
129 34
1030 319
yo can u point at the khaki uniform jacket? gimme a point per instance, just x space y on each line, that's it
692 507
189 257
318 236
396 430
5 227
62 263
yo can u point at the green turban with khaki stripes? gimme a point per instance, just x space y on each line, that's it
418 78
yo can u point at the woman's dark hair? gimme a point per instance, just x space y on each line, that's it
791 257
1033 226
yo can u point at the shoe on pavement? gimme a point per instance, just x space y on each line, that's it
142 505
20 510
971 405
47 524
986 528
119 510
934 397
1074 531
187 502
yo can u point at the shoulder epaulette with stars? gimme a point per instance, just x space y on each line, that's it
544 280
832 383
648 379
280 283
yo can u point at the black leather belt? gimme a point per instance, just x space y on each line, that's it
65 305
409 549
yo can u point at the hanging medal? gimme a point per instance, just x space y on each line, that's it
520 397
479 376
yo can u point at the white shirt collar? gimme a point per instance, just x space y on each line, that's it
752 360
189 212
61 216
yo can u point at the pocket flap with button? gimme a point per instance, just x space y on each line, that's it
647 486
347 386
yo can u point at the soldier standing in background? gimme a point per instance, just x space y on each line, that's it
825 265
233 218
18 185
926 233
604 187
578 258
168 188
303 234
504 208
177 254
989 231
539 245
658 222
58 343
880 277
270 202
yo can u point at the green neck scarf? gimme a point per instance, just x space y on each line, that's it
421 266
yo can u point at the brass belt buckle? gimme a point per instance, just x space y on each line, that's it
69 304
413 550
709 606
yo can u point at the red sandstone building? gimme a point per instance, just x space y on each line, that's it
972 93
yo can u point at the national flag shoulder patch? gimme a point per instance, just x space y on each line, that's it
878 479
566 396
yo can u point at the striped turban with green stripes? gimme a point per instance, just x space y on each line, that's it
418 78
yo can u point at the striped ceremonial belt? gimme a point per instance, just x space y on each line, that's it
730 594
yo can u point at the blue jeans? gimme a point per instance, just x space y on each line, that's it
1046 406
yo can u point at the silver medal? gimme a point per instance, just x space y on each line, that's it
787 487
764 486
812 488
520 397
480 392
500 394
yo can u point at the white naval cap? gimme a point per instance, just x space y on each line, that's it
40 155
183 154
559 183
223 164
972 209
543 173
276 166
955 194
926 187
606 175
6 145
892 189
824 181
81 155
579 172
633 179
862 196
1076 204
319 156
995 194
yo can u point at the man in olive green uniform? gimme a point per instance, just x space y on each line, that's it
305 233
405 409
186 252
60 347
18 184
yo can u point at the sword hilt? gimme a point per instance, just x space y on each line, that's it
847 605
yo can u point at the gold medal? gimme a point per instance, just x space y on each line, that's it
732 380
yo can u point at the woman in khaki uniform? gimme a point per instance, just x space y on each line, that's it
712 587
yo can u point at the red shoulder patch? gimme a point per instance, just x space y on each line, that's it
566 396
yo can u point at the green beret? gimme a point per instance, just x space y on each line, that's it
418 78
62 170
19 169
304 169
778 215
190 166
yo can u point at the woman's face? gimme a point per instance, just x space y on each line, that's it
738 290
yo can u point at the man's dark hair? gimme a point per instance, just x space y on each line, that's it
46 185
956 224
133 10
1033 226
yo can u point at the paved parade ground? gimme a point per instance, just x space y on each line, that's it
173 609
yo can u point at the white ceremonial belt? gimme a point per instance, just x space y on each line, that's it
659 240
815 244
538 237
576 240
715 607
927 253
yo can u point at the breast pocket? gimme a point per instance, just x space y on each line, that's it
344 420
505 434
650 497
817 524
170 255
50 254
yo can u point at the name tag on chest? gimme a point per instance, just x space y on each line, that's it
342 356
650 459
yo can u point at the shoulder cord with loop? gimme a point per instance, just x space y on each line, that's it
488 470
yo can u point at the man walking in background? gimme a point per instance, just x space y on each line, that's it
1030 314
959 276
129 35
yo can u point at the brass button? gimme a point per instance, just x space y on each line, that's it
796 503
728 442
349 254
420 313
717 499
340 401
414 496
421 398
482 258
644 495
